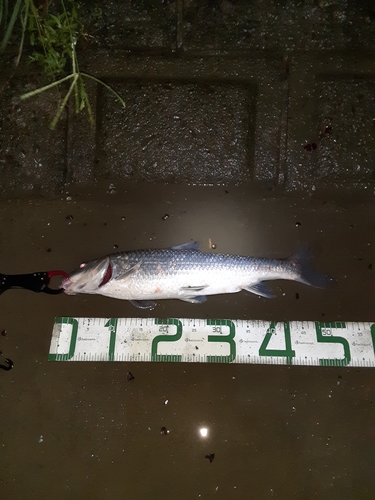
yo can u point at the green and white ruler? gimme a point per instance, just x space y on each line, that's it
213 341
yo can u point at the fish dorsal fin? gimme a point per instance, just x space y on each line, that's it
190 245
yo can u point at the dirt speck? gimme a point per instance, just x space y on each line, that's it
210 457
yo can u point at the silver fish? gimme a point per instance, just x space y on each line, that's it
185 273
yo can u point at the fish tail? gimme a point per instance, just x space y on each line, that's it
302 261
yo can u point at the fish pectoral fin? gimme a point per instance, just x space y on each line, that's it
143 304
195 300
193 289
187 294
129 272
190 245
260 289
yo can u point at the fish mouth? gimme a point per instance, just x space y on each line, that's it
66 285
82 282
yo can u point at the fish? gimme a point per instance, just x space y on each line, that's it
184 272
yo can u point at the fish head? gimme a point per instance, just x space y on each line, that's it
89 277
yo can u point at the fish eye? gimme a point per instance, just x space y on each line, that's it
82 265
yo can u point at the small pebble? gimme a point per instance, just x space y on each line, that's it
165 217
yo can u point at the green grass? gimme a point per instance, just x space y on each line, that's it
52 36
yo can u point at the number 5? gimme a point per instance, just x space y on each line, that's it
334 340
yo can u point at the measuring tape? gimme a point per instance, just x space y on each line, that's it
213 341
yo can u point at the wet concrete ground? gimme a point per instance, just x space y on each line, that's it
84 431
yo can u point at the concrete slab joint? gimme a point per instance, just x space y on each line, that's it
216 93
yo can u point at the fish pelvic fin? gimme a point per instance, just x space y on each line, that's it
302 261
194 300
143 304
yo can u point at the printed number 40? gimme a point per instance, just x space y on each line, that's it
287 352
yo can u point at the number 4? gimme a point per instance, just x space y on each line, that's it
287 352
